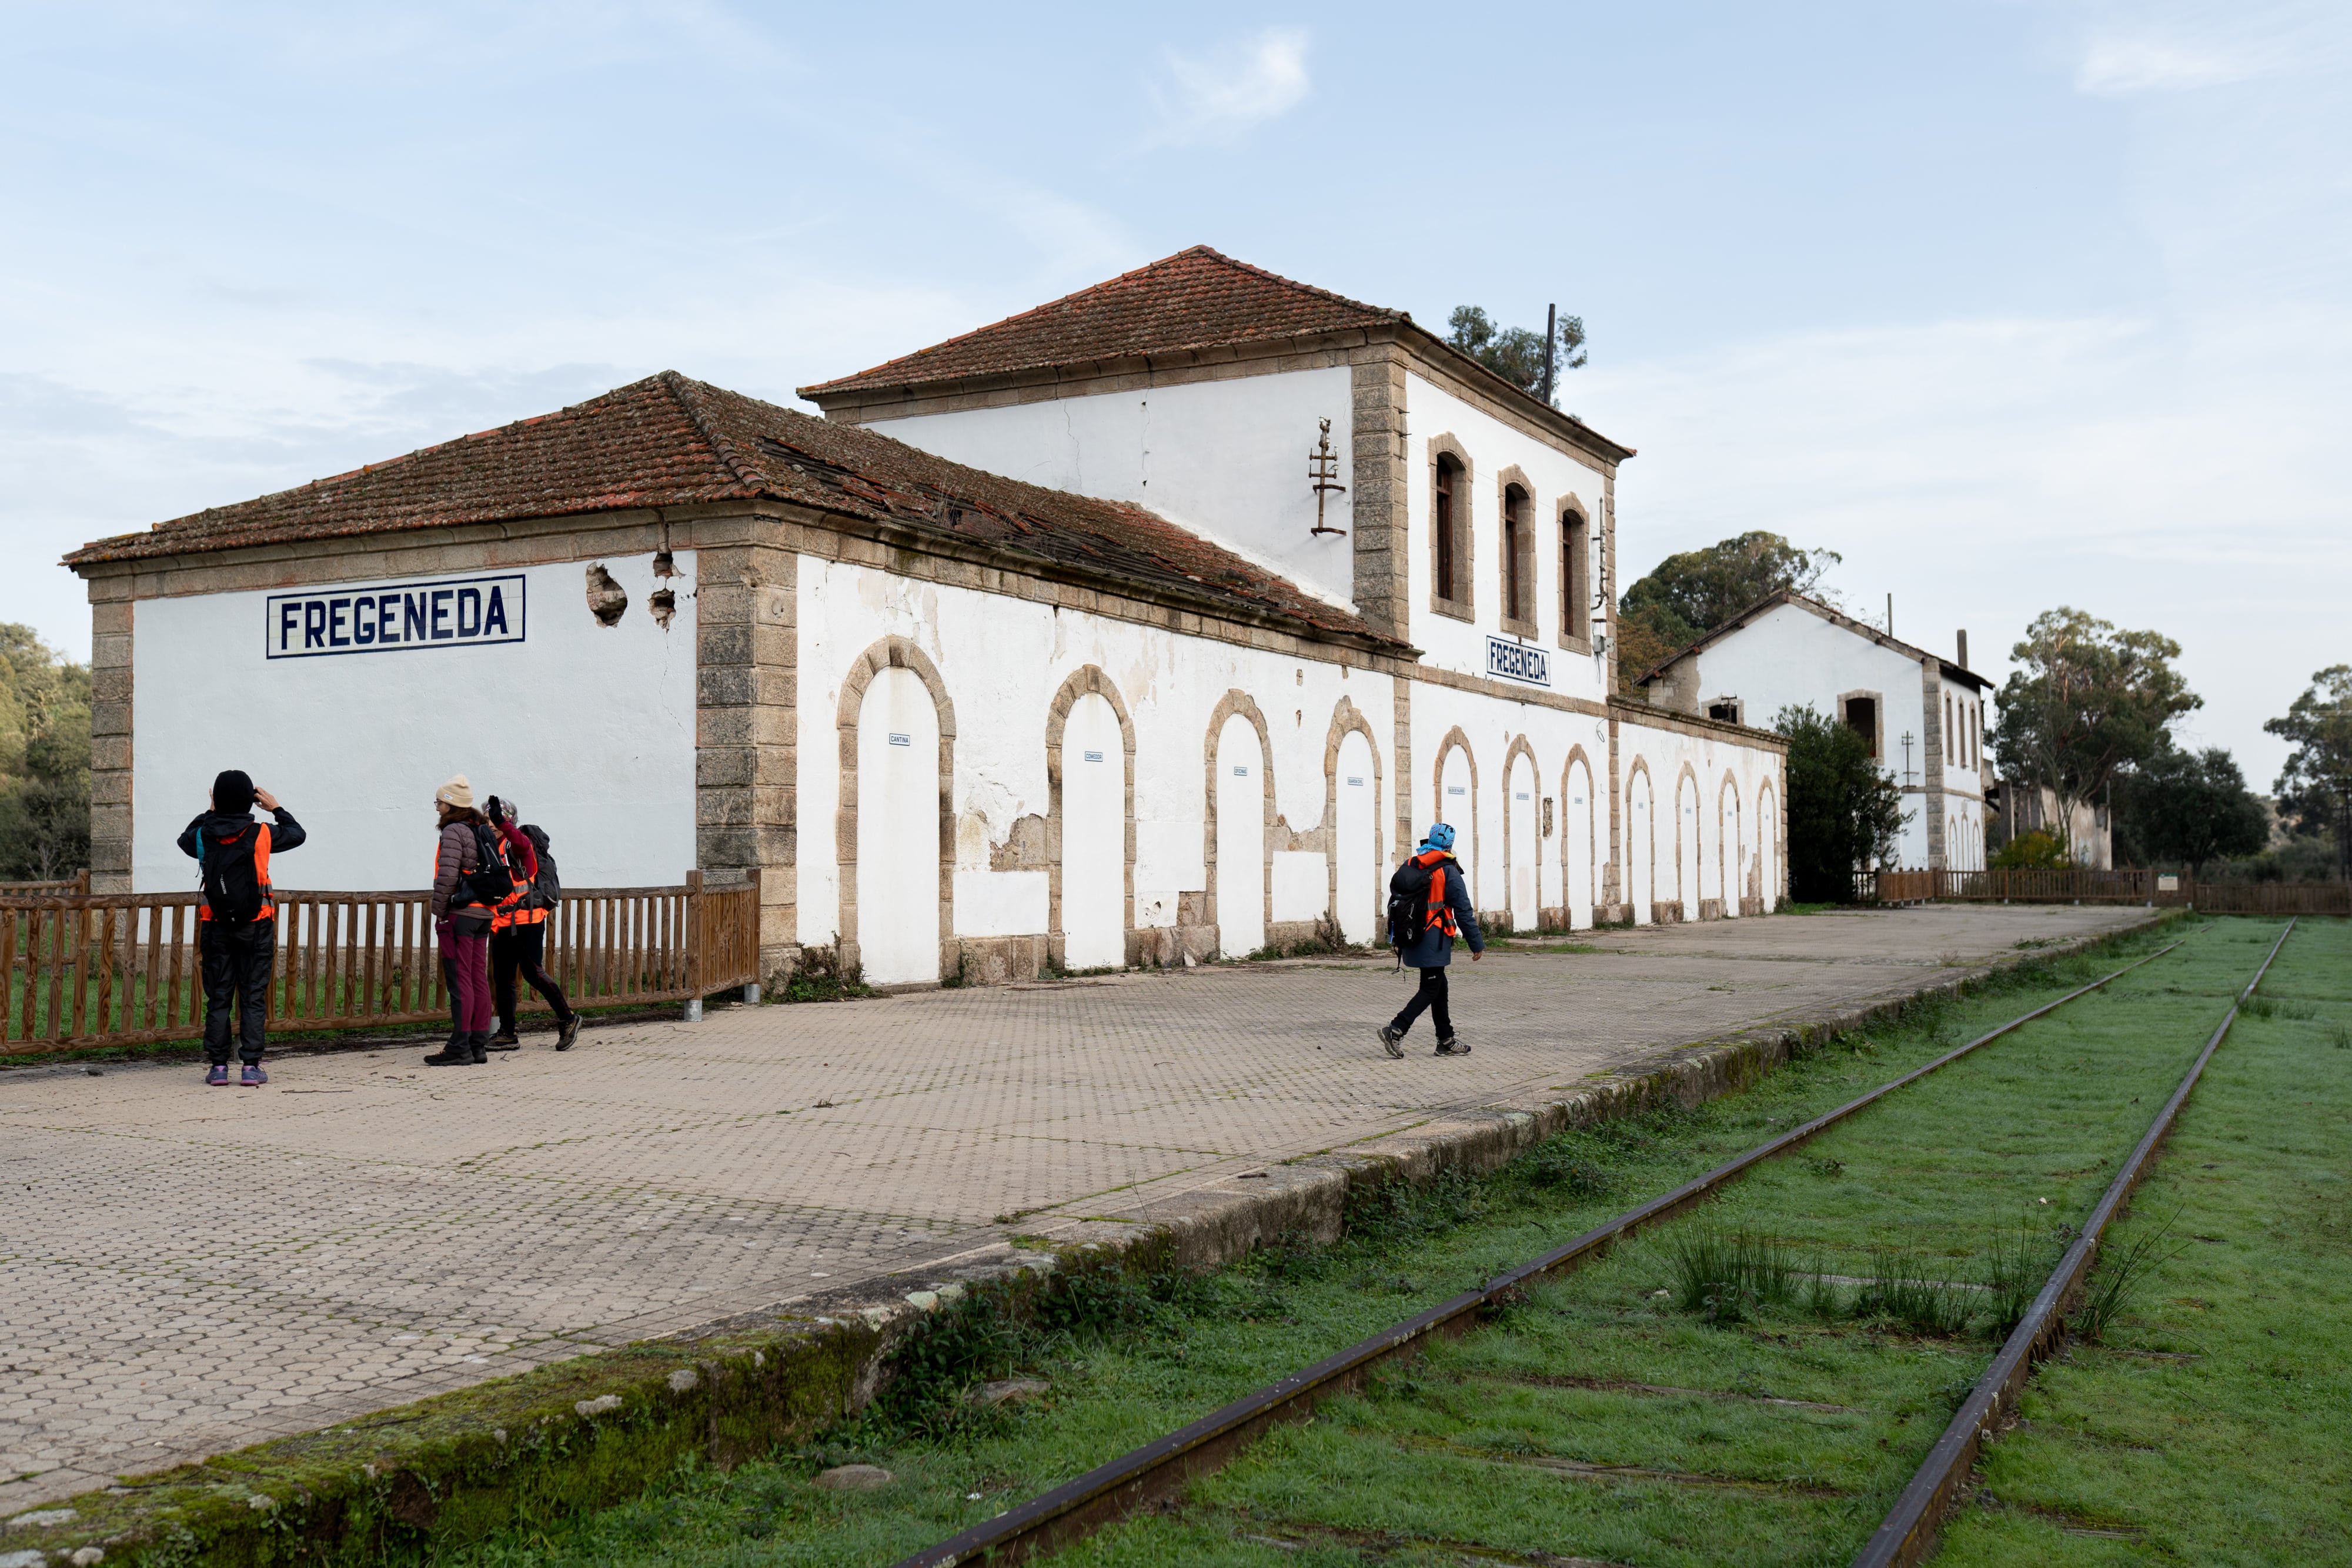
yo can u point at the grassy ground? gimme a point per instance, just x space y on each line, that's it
2214 1424
1493 1440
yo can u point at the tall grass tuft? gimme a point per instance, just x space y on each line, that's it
1728 1276
1932 1307
2115 1280
2016 1266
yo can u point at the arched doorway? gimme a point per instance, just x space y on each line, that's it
1526 851
1094 836
899 830
1356 840
1686 861
1242 785
1641 887
1767 871
1731 849
1577 859
1454 808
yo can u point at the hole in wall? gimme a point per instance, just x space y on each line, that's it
664 566
607 600
661 607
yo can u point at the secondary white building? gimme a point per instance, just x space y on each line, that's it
1047 644
1922 715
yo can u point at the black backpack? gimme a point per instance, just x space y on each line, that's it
547 888
237 890
1409 902
490 883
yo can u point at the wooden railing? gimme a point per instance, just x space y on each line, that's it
2077 884
87 969
78 882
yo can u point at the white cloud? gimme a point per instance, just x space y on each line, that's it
2113 66
1220 94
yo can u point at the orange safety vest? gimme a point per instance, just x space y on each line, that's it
1441 912
261 874
510 910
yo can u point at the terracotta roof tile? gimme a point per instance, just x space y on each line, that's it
1194 299
671 441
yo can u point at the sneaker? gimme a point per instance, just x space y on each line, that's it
504 1040
454 1055
566 1033
216 1075
1453 1047
1392 1040
252 1077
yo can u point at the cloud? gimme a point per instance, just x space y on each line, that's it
2115 66
1219 95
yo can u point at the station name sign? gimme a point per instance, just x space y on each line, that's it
395 617
1517 661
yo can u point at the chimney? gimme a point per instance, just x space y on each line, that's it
1964 649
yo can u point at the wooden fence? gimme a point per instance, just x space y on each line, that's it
89 969
2077 884
78 882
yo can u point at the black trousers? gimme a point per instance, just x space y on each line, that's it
518 950
238 961
1431 996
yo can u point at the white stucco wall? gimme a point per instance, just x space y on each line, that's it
1226 459
1552 475
589 727
1736 791
1002 660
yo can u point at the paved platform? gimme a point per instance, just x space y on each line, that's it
185 1270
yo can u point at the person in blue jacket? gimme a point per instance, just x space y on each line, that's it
1431 949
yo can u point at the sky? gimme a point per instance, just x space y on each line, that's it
2012 305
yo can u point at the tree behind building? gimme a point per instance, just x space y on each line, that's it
2188 808
1845 813
2315 789
1686 596
44 759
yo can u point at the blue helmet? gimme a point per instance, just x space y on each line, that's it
1441 837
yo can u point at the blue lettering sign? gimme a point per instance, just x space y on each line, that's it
1517 661
391 618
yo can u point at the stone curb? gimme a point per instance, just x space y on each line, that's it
593 1430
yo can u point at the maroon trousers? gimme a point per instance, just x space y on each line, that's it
465 961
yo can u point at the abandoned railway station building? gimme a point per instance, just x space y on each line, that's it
1153 624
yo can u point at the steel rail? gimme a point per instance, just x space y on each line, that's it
1111 1490
1909 1533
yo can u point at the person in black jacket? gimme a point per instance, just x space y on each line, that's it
238 922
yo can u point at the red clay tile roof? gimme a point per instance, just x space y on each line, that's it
668 441
1194 299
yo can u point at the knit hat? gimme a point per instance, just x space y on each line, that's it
231 791
1441 837
456 792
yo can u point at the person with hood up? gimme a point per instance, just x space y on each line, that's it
518 930
237 925
462 912
1429 906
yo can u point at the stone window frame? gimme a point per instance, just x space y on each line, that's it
1738 706
1087 679
886 653
1878 735
1526 625
1575 573
1464 527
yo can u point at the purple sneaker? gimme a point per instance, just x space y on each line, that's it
253 1077
216 1075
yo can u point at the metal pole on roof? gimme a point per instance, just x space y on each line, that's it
1551 339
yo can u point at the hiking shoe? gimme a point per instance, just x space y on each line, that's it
216 1075
567 1032
252 1077
504 1040
1393 1040
454 1055
1453 1048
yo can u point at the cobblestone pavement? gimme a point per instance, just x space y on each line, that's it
187 1269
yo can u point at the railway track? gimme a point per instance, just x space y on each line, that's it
1149 1475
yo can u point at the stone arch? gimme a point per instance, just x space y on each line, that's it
1236 701
1730 843
1519 747
892 651
1686 879
1769 859
1087 679
1454 738
1641 894
1592 819
1347 719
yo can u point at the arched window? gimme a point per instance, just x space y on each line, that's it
1575 577
1515 529
1449 487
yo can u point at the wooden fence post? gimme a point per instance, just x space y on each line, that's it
694 913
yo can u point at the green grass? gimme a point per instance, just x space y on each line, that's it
2214 1424
1469 1444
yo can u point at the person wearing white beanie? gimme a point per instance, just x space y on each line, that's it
462 921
